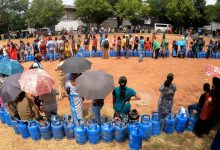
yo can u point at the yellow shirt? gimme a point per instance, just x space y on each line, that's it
123 42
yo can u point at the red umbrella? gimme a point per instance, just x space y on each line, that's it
36 82
213 71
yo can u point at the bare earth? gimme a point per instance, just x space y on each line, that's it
146 78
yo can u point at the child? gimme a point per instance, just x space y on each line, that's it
78 42
119 47
147 44
141 48
67 51
114 40
94 43
195 48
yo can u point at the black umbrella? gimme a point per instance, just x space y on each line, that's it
76 65
94 84
11 88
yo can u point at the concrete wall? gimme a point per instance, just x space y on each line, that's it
68 25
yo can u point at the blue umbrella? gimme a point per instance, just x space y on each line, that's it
10 67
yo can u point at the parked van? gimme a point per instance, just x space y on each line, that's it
160 27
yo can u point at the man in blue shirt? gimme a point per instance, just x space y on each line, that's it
51 47
141 48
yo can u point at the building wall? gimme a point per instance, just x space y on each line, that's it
69 15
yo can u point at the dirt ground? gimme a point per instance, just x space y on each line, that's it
146 78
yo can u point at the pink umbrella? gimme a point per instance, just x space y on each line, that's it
36 82
213 71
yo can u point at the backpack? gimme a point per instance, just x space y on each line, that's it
106 44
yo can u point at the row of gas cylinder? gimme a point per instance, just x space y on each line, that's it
108 131
215 55
54 56
114 53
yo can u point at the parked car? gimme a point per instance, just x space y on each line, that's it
165 28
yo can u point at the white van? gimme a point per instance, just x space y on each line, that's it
160 27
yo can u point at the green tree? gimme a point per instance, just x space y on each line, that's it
13 15
182 12
45 13
134 10
200 20
93 11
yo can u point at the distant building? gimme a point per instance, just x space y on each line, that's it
69 20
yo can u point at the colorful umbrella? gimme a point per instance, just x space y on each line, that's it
11 88
213 71
10 67
36 82
76 65
94 84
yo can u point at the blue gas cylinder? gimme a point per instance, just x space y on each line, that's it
181 122
101 54
120 131
2 116
203 54
213 55
80 132
135 53
111 53
146 126
93 53
47 56
57 127
56 56
34 130
114 53
97 54
23 129
1 57
81 49
135 137
167 53
27 58
69 126
147 53
144 53
87 54
131 53
189 54
93 131
151 54
107 132
193 117
15 126
7 119
31 57
84 54
45 130
129 125
156 123
217 55
169 124
79 55
199 55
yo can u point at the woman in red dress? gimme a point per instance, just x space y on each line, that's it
13 52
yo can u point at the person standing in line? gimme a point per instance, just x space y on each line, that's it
100 41
61 46
141 48
114 42
43 50
167 91
67 50
73 45
136 43
210 49
22 50
123 43
105 46
130 42
147 44
94 43
35 46
95 109
13 52
164 45
78 42
119 47
152 42
156 46
57 43
49 103
121 98
86 43
51 47
75 99
127 45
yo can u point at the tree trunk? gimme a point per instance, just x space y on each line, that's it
119 20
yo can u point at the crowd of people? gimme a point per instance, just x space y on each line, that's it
69 47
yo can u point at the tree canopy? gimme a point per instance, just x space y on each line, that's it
45 13
93 11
